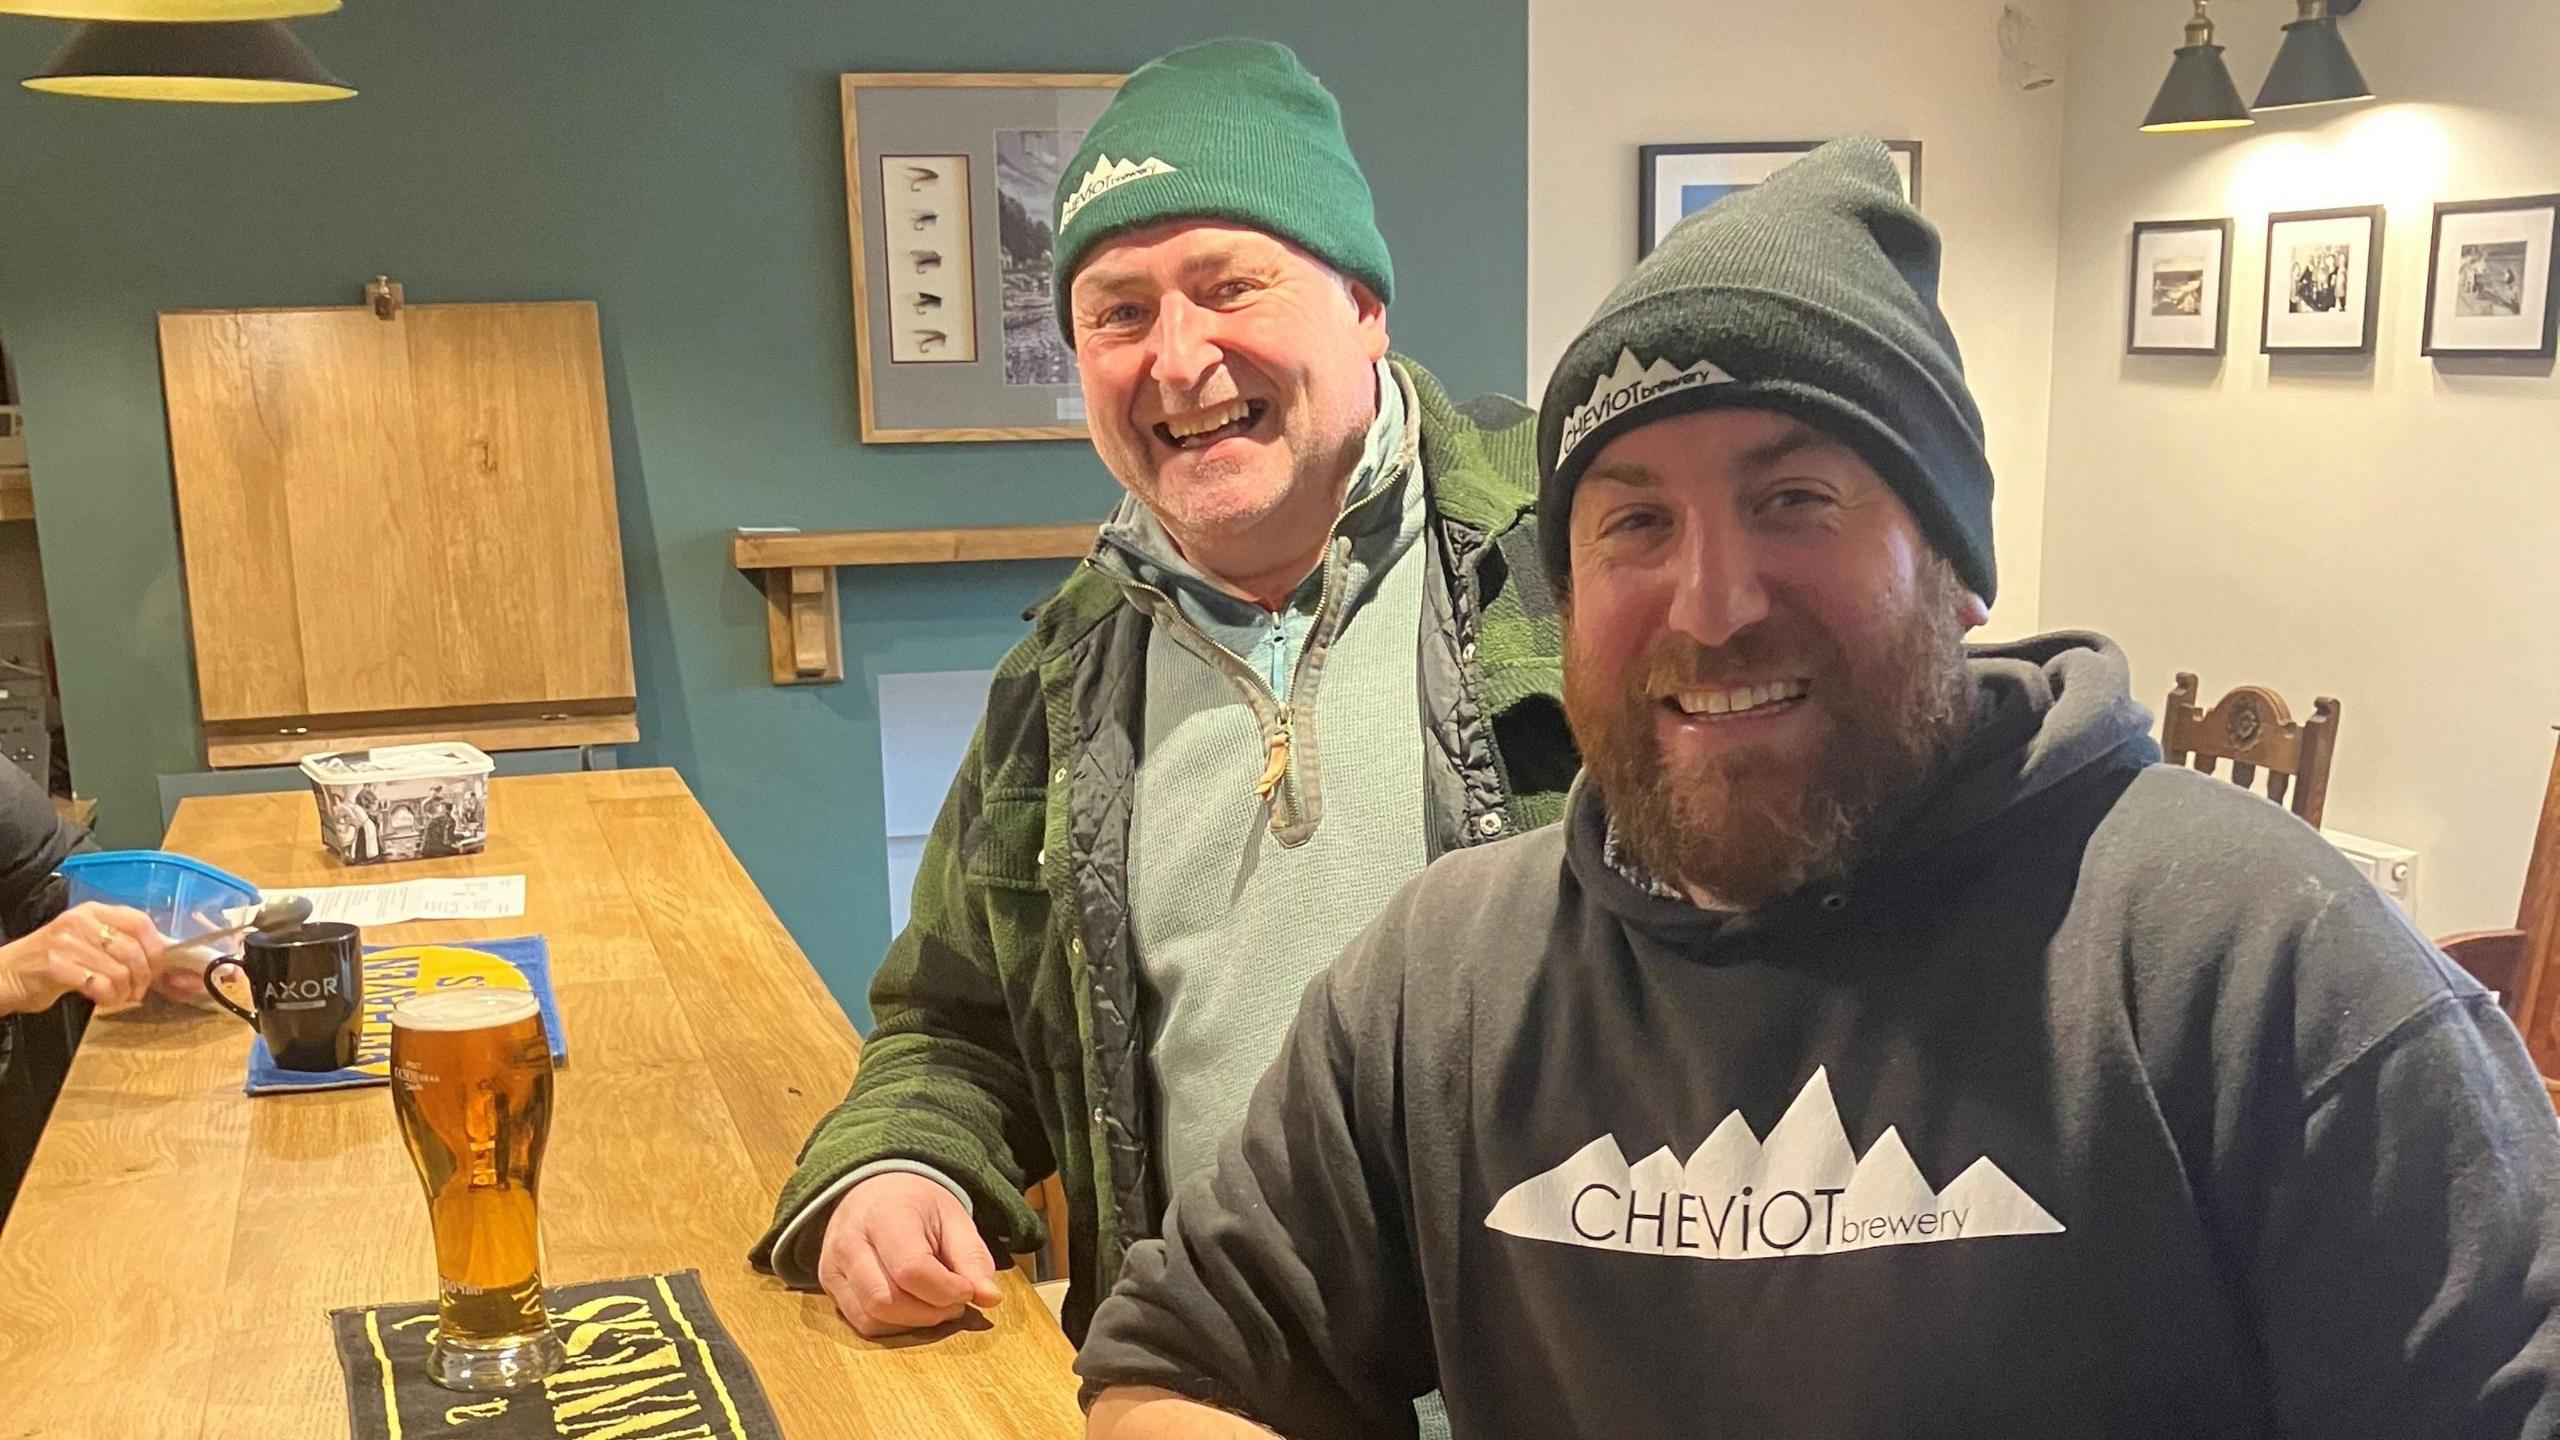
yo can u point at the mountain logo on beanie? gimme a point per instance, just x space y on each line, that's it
1106 176
1633 385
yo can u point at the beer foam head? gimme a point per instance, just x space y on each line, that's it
474 1008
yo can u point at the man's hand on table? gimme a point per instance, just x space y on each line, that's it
902 1254
1139 1413
103 953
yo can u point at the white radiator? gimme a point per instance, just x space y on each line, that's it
2392 869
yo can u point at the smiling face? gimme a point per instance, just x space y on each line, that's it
1762 653
1230 379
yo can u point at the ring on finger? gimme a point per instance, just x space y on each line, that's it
106 937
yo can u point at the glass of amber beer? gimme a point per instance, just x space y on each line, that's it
471 1079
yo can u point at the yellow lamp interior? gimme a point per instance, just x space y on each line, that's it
201 89
168 10
2176 126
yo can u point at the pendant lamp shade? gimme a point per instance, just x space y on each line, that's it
237 63
2198 95
171 11
2313 66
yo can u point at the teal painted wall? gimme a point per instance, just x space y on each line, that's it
679 164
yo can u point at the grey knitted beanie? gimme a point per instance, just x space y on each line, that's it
1814 295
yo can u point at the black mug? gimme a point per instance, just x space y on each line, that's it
308 985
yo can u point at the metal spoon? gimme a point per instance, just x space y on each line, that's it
199 951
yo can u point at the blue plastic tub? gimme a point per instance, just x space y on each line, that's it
184 896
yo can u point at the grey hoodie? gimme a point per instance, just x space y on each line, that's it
2106 1100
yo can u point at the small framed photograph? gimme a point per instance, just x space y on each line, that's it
2491 278
2323 281
1674 182
950 198
2177 298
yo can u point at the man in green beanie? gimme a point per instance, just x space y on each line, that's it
1311 651
1886 1044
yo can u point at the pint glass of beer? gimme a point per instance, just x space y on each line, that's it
471 1079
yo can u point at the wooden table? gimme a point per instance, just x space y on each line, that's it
172 1260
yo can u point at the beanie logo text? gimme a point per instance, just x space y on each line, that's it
1632 385
1106 176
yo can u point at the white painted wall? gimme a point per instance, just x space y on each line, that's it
926 719
1606 76
2386 530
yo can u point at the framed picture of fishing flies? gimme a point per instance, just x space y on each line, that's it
950 184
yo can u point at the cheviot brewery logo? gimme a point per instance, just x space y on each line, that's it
1106 176
1632 384
1802 1191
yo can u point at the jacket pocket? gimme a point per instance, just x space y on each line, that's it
1006 850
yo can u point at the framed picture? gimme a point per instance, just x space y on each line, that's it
1674 182
2323 285
2177 300
950 191
2491 278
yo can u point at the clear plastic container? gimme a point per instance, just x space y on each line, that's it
184 896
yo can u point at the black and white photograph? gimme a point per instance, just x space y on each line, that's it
950 195
2490 280
2322 296
2319 279
2177 286
2491 277
1027 166
2175 302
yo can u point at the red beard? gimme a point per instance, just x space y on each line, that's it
1741 829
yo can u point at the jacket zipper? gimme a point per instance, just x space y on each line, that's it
1277 786
1280 764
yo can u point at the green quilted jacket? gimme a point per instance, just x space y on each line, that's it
1007 1042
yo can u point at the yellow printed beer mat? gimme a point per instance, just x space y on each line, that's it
393 973
647 1360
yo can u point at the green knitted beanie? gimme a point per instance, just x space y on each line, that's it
1814 295
1233 130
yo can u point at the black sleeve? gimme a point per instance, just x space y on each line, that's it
34 1049
2405 1274
33 840
1286 1288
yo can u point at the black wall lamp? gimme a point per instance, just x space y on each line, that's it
209 51
225 62
2312 68
2198 95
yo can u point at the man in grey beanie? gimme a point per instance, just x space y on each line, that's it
1886 1044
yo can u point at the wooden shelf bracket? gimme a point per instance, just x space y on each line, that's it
804 625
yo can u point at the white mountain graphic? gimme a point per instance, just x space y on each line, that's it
1106 176
1802 1191
1631 384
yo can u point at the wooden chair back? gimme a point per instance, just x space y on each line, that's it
2252 729
2523 964
1049 1197
2501 960
2538 918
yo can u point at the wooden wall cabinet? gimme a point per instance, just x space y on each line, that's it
398 526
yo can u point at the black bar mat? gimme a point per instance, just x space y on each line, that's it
648 1360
